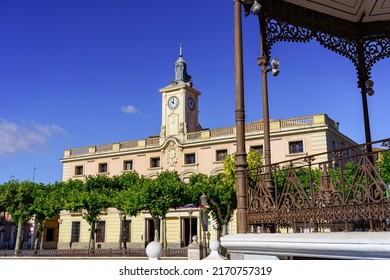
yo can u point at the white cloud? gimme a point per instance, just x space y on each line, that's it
15 137
48 129
129 109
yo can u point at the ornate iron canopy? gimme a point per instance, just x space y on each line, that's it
358 30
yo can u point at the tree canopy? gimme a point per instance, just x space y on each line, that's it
91 197
17 199
220 190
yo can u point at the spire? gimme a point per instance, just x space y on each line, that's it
181 67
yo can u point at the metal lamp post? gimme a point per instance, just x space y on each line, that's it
205 222
367 89
263 62
190 237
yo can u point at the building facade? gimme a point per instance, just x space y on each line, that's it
183 146
8 231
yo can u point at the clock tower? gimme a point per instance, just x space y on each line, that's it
179 103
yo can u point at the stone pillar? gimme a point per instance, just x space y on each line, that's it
194 249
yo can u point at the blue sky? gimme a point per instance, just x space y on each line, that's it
77 73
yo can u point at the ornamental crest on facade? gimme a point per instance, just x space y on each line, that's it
171 152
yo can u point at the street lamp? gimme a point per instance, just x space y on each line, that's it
205 222
367 89
190 237
274 69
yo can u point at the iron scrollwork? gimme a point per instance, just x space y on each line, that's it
290 23
344 192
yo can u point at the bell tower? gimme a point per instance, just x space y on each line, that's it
180 111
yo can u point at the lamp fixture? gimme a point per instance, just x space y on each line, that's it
275 62
256 7
275 72
369 85
275 67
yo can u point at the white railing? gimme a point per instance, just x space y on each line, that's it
194 135
153 141
79 151
222 132
128 145
255 127
297 122
103 148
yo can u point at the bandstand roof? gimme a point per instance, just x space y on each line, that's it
356 29
351 10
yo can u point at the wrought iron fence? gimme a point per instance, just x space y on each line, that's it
344 192
180 252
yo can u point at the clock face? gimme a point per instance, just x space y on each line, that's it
173 102
191 103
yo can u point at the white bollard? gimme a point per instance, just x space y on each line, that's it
154 250
214 255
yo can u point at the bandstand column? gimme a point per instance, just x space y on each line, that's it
241 164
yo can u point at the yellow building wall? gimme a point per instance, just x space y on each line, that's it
113 228
173 230
138 231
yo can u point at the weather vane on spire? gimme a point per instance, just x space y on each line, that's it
181 47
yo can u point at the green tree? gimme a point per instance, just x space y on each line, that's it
91 197
17 199
129 196
47 203
384 165
221 189
221 197
161 194
254 160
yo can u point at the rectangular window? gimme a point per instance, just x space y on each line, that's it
189 158
103 168
296 147
221 155
75 237
258 149
334 145
79 170
100 231
155 162
50 234
128 165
